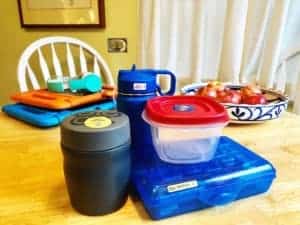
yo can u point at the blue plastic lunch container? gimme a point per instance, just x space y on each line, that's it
171 189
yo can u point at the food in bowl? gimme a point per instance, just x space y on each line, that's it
185 129
249 109
249 94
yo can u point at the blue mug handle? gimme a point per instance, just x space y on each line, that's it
172 85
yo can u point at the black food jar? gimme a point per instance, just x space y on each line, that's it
96 150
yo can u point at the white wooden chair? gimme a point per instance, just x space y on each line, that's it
24 68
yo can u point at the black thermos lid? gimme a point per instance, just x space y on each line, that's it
95 131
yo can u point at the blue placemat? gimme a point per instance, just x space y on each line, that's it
44 118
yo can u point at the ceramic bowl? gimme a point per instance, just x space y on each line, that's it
244 113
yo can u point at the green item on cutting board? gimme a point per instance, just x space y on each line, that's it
90 82
58 84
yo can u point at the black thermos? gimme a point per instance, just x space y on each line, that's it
95 147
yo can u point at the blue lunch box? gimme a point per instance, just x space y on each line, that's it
171 189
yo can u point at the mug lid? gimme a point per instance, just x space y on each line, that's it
185 110
95 130
137 81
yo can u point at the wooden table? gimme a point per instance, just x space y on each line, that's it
32 188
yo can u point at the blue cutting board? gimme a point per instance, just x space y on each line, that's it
44 118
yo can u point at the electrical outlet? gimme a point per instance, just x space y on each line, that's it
117 45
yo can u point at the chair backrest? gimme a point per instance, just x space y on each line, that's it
24 68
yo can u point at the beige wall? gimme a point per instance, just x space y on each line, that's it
121 21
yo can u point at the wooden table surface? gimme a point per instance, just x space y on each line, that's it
32 188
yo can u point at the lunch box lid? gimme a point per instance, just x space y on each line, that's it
231 175
185 110
95 131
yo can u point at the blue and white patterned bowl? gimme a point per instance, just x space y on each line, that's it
244 113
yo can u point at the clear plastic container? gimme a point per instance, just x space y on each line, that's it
184 138
185 144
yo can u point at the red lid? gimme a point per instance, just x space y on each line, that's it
186 110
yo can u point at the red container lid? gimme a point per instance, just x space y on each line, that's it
185 110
